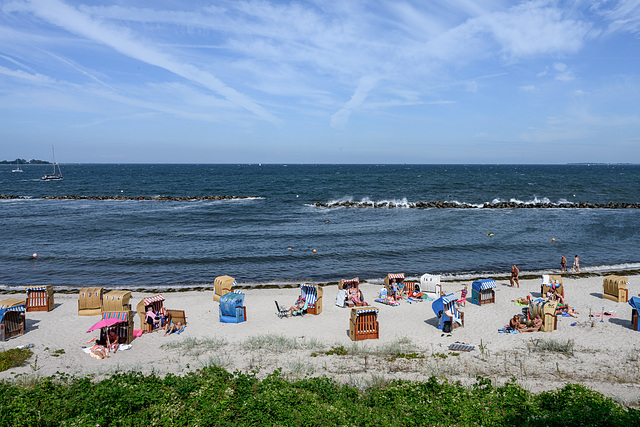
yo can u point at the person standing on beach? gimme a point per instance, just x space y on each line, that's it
576 264
514 275
563 264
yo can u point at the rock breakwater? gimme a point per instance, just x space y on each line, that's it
150 198
498 205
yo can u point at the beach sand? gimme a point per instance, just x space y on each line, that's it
605 353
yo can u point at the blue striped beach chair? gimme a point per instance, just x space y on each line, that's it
482 291
313 296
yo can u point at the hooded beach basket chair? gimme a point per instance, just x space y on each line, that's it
40 298
393 279
12 318
363 324
313 296
445 310
124 329
343 291
551 282
90 301
156 303
222 285
547 311
615 288
483 291
231 308
116 301
430 285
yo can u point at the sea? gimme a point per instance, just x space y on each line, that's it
274 234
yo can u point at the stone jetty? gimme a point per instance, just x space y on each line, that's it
499 205
141 198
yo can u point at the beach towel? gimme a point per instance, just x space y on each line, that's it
507 330
387 302
461 347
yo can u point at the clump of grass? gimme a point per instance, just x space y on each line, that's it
339 351
552 346
14 358
194 346
280 342
408 356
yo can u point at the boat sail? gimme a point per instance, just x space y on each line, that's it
53 176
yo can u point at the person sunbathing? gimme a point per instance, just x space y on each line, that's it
99 352
564 308
534 326
522 300
171 328
299 305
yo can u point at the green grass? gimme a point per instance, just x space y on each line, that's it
213 396
14 358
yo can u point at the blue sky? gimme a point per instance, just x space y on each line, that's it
450 81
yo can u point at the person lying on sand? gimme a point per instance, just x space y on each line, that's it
564 308
99 352
171 328
535 325
522 300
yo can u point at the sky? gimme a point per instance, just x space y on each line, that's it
259 81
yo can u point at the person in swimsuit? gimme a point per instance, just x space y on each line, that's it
563 264
514 275
576 264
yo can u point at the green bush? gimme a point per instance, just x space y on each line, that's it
213 396
14 357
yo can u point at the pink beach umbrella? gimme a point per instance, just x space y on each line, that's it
105 323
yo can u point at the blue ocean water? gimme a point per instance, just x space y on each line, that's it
155 244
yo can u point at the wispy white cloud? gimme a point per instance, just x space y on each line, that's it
122 40
366 84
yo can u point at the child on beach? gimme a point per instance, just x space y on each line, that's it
463 297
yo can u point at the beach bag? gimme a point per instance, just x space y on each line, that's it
383 293
446 327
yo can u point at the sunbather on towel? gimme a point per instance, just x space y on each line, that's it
299 305
534 326
99 352
522 300
564 308
171 328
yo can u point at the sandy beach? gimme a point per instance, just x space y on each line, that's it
604 356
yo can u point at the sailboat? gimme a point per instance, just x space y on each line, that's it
53 176
17 169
